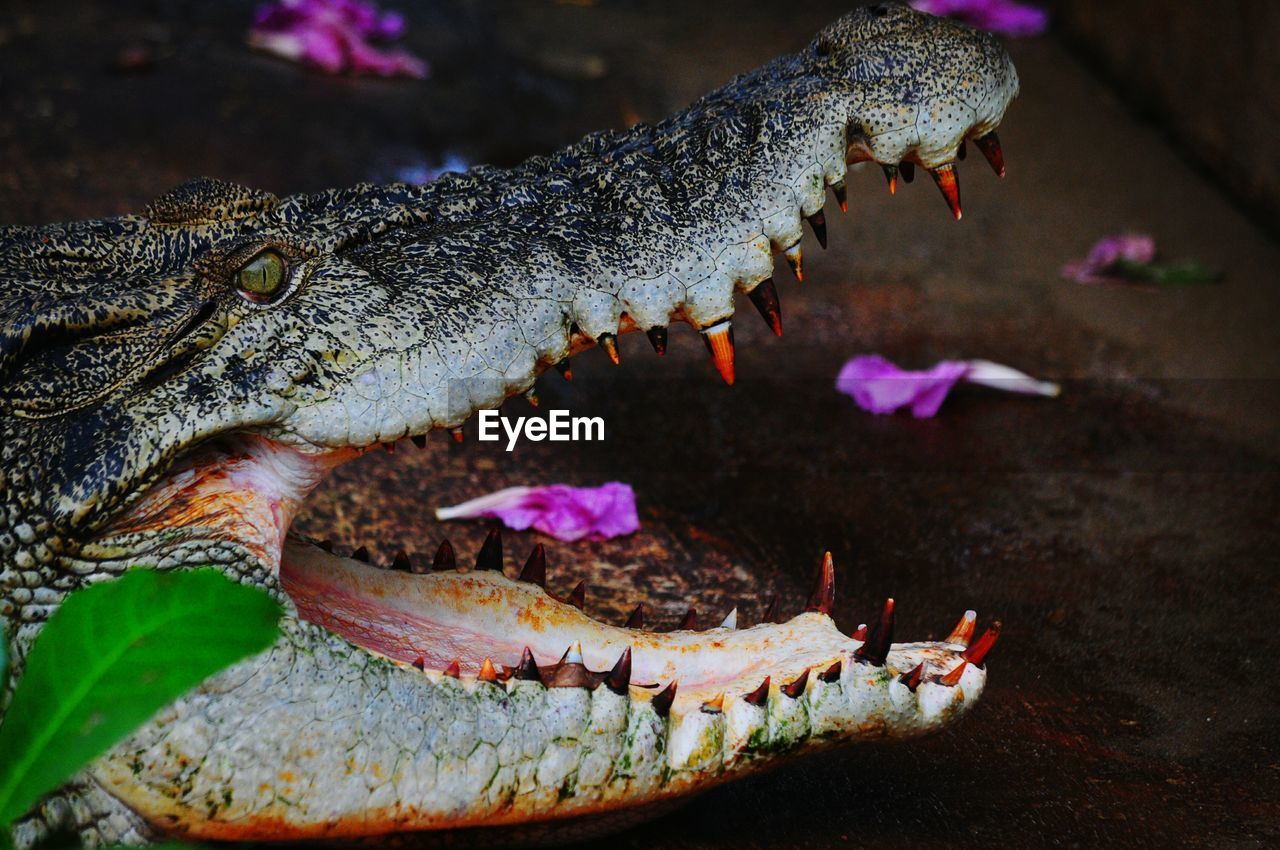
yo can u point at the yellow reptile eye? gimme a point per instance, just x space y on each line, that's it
263 277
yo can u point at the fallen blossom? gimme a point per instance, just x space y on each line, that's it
420 172
1128 257
334 36
564 512
1003 16
877 385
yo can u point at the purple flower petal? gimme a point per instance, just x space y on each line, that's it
1100 265
333 35
1001 377
878 386
564 512
1003 16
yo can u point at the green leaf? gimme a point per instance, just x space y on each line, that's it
1185 272
112 656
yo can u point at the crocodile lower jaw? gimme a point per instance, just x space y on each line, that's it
481 622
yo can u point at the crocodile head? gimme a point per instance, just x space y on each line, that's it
174 383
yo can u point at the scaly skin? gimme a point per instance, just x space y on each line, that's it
156 414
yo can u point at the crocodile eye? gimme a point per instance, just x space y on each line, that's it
263 277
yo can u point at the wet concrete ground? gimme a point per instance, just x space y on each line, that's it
1125 533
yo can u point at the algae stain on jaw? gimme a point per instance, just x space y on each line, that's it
559 426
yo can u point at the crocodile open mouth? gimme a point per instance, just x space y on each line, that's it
480 623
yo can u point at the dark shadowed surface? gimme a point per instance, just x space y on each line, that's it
1127 533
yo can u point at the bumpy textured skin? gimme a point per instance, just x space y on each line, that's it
124 348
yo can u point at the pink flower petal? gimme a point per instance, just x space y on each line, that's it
334 35
1001 377
878 386
1003 16
322 47
564 512
365 58
1100 265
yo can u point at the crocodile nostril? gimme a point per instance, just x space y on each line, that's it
203 314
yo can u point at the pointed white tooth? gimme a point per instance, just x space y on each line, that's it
795 259
731 621
574 655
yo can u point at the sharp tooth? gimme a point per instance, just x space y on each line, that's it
977 653
831 673
765 297
714 706
963 632
946 178
564 369
609 342
962 151
719 339
662 702
572 655
457 434
535 569
571 674
953 678
770 611
731 620
908 171
795 259
619 678
454 670
402 562
578 596
823 597
361 554
657 338
690 620
912 677
487 673
818 221
531 397
990 147
490 556
860 633
891 174
796 688
419 440
527 669
759 695
842 197
444 559
880 638
636 620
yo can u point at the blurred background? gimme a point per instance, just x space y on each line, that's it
1127 532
